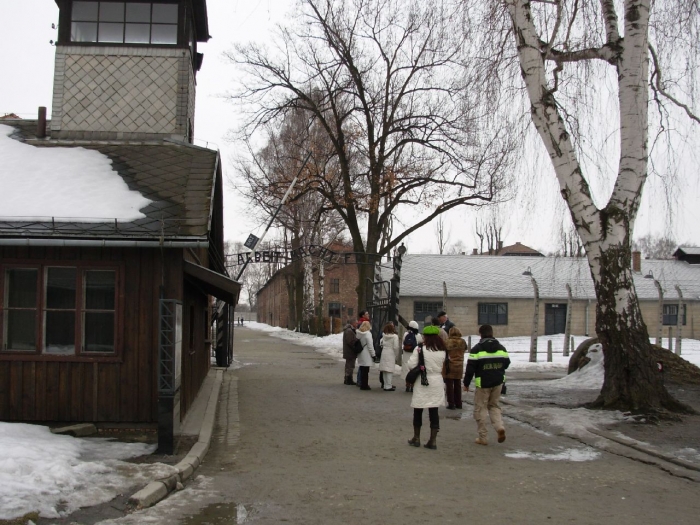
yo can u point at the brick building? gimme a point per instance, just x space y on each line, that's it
339 293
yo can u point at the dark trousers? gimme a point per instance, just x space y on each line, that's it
453 391
364 376
350 366
432 415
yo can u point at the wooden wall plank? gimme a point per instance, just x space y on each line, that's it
129 376
108 388
16 391
52 391
40 384
64 390
148 319
4 390
29 391
77 398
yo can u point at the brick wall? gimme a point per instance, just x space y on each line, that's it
273 302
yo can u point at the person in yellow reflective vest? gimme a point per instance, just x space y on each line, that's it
488 361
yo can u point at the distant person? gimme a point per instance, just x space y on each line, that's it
454 368
487 363
432 395
441 331
387 362
349 340
366 357
411 339
445 322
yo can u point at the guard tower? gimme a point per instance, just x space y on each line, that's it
127 70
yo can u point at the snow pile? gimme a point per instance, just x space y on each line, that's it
563 454
69 184
590 376
55 475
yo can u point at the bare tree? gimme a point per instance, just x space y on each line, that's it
571 245
442 234
565 53
457 248
490 230
407 120
653 247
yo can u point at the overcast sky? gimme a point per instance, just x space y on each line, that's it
533 218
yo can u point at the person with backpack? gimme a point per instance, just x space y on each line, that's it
488 361
411 339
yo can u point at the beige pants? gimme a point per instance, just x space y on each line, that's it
486 402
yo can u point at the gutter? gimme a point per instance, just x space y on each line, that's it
105 243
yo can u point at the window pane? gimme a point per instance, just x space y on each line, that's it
60 333
99 290
138 12
83 32
60 288
111 33
21 292
137 34
165 13
164 34
84 11
111 11
21 329
98 332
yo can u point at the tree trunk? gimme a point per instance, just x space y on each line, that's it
632 381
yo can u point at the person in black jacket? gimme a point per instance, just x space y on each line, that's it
488 361
444 321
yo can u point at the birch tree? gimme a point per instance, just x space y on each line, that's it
554 40
413 135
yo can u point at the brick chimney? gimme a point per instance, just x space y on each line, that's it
636 261
475 251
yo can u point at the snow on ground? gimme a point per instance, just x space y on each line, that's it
54 475
69 184
518 349
563 454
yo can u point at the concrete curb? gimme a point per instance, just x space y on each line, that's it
159 489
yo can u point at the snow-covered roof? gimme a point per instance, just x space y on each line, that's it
689 250
500 277
101 189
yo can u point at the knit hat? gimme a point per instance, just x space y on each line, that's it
431 330
413 324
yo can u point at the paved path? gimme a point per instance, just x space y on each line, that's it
294 445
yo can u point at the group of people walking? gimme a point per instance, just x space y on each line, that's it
439 349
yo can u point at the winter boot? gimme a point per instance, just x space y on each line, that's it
349 381
432 442
415 440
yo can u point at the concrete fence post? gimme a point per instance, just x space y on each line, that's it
549 351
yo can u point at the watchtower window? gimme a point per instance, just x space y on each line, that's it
124 22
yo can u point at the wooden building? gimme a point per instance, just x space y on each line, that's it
108 320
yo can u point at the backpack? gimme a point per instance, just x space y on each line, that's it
409 342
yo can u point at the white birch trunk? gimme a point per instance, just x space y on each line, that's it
605 233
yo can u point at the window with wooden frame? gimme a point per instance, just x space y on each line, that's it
124 22
670 314
59 310
335 286
493 313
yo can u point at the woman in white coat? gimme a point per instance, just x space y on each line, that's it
429 396
366 357
387 362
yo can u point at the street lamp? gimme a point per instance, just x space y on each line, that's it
660 313
535 317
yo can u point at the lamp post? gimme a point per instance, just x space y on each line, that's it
535 317
660 314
